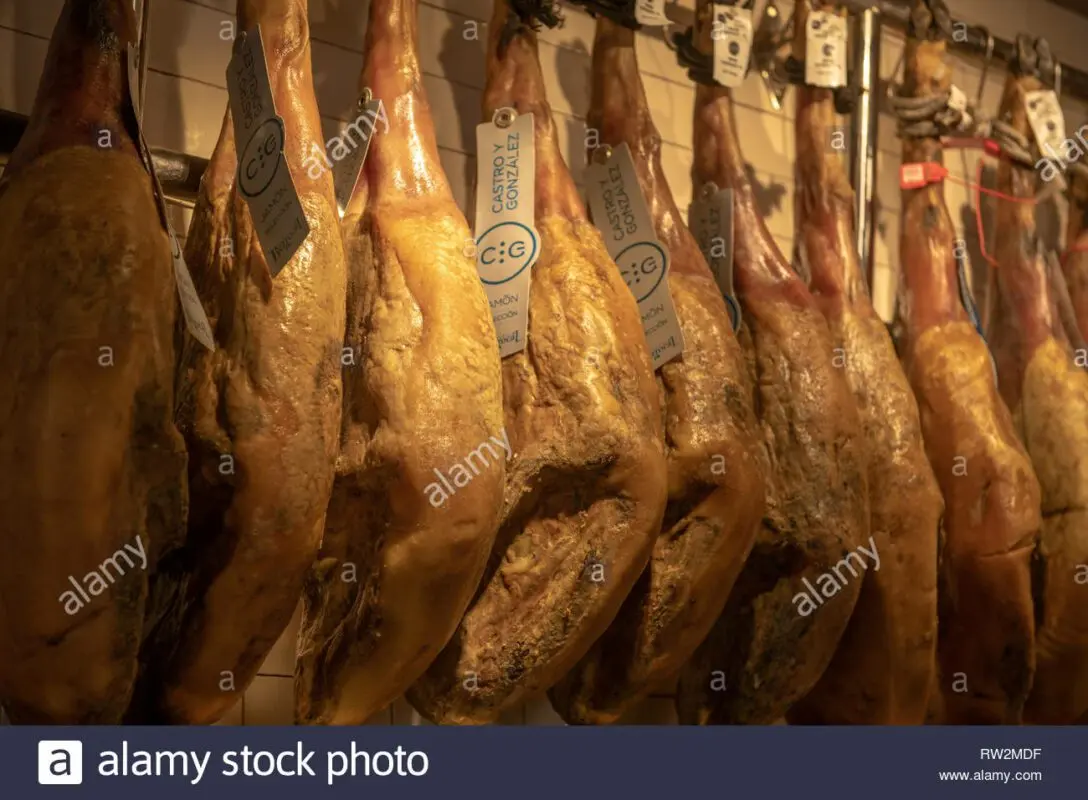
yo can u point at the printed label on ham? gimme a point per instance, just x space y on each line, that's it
619 210
650 12
1046 119
347 168
732 37
711 219
825 56
507 242
264 179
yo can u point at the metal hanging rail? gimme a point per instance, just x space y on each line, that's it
895 13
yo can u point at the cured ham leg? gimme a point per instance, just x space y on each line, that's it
883 669
774 641
426 395
586 489
991 496
713 514
1075 264
90 460
260 415
1048 394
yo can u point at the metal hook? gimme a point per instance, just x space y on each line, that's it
1058 78
364 99
602 154
504 117
708 190
985 66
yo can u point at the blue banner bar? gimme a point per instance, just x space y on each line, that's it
625 763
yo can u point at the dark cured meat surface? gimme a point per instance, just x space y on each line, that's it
770 654
884 667
1075 264
1048 395
986 625
89 455
268 398
425 394
716 483
587 483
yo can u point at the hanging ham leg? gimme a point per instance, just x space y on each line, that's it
991 495
713 514
1075 264
426 395
884 666
586 489
774 640
92 469
1050 393
260 415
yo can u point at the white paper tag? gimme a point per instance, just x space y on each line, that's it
507 243
957 100
264 179
196 321
731 34
650 12
346 170
619 211
195 318
710 218
825 54
1047 121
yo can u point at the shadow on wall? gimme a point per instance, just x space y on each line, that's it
768 196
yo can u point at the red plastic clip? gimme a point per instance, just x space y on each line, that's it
918 175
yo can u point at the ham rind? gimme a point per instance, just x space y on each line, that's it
90 459
765 653
1048 395
425 394
260 415
986 623
716 483
884 667
1075 263
586 488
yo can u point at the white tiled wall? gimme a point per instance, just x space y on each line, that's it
186 98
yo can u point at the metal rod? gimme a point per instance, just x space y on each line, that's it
865 121
178 173
145 17
967 39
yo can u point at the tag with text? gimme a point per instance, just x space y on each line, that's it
731 34
711 222
1047 120
825 54
264 179
650 12
507 242
348 166
196 320
619 211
